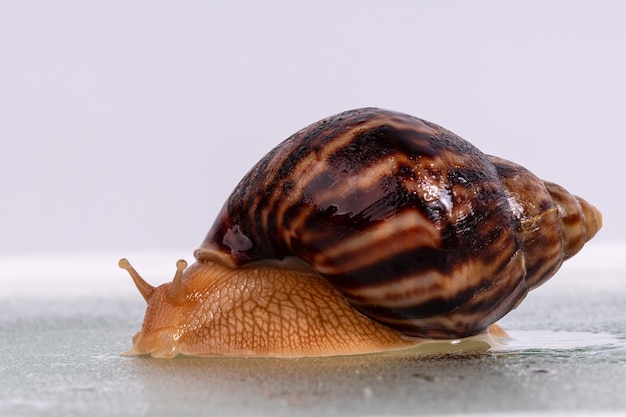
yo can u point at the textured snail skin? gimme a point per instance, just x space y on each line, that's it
366 231
263 312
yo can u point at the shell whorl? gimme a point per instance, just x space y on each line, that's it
417 228
552 224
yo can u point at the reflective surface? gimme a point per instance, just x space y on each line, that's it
60 356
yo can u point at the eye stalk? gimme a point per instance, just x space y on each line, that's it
176 292
144 288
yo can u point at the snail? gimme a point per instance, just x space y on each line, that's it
367 231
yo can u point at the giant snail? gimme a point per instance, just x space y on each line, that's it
367 231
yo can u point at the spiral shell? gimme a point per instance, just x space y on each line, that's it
417 228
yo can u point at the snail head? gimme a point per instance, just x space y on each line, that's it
161 329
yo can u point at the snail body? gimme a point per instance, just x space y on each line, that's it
369 230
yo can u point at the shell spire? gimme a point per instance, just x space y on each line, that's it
552 224
579 221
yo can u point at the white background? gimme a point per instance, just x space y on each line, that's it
124 125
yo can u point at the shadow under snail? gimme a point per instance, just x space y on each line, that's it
367 231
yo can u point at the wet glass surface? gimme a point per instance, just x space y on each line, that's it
567 354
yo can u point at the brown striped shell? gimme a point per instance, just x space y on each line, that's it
418 229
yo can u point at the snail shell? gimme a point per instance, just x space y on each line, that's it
415 228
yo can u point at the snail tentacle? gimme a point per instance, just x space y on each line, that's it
144 288
176 293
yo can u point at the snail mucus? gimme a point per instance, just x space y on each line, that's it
367 231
